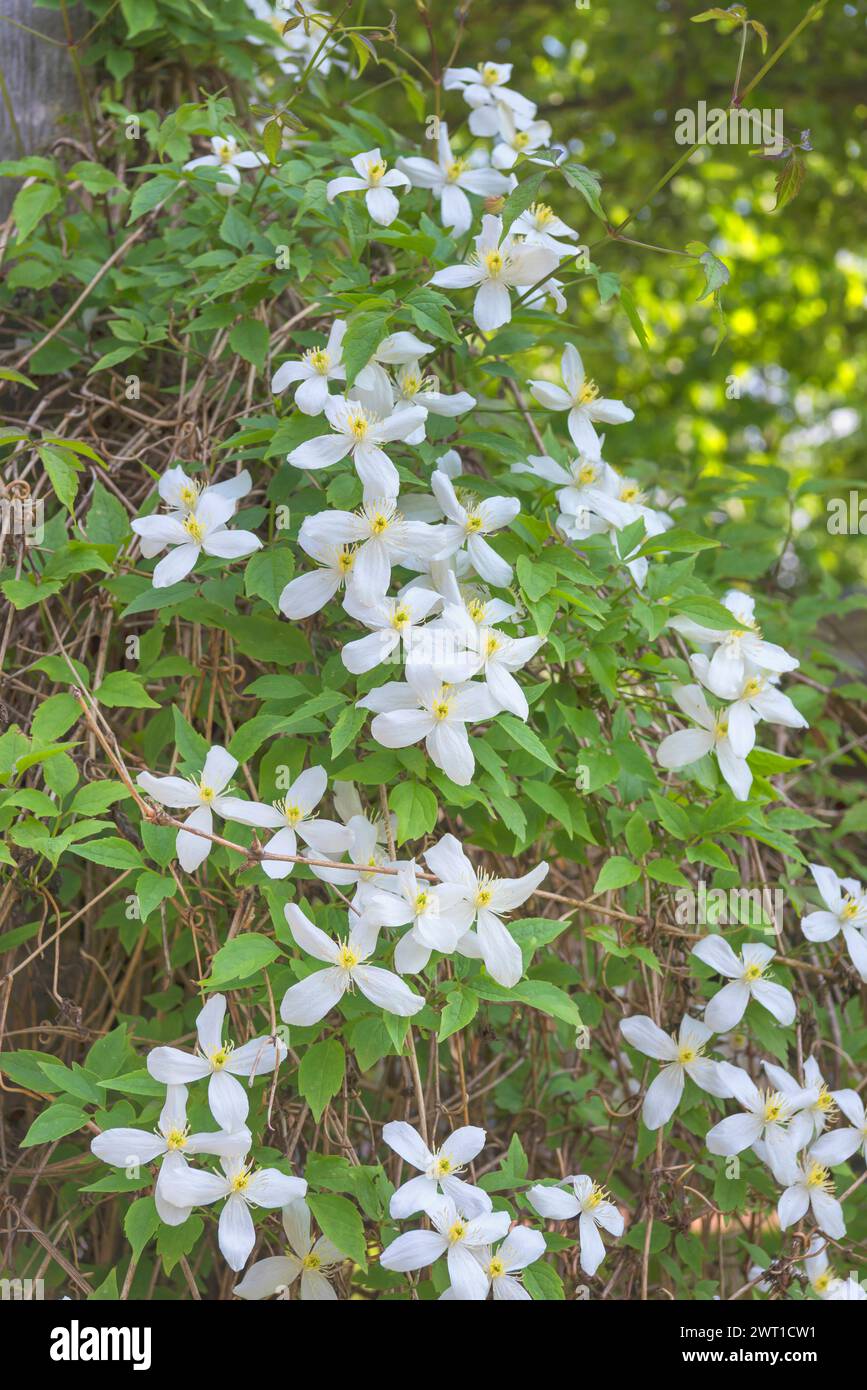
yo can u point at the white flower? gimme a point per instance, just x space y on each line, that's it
173 1142
435 915
307 593
735 647
484 89
313 1260
485 899
812 1117
205 796
382 537
461 1239
846 905
438 1168
813 1187
451 179
496 268
316 368
469 522
522 1247
295 816
227 157
202 529
682 1058
591 1204
415 389
377 180
688 745
515 140
586 484
359 433
747 975
372 385
539 226
242 1188
395 623
582 400
423 707
183 495
316 995
219 1061
498 656
824 1282
765 1117
757 699
836 1147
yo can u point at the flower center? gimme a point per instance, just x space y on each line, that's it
476 609
629 492
241 1180
496 1268
474 524
177 1138
484 892
492 645
375 171
440 709
775 1107
226 153
291 814
753 687
189 493
490 75
194 529
421 903
358 425
221 1057
687 1053
589 392
598 1195
541 214
752 972
849 909
319 360
494 262
311 1261
379 524
345 560
347 959
443 1166
825 1101
455 169
721 729
821 1283
587 473
206 794
521 140
400 620
456 1232
819 1178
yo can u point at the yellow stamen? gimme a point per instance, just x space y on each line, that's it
177 1139
456 1232
319 360
345 560
521 140
819 1177
455 169
541 214
206 794
589 392
347 959
494 263
496 1268
375 171
312 1261
194 529
474 523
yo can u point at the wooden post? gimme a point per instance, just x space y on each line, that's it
39 93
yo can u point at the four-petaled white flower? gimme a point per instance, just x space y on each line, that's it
373 176
451 179
221 1062
688 745
243 1187
313 372
395 625
758 699
496 266
593 1207
812 1187
295 816
838 1145
522 1247
581 398
438 1168
813 1116
469 521
315 996
846 911
204 797
381 538
682 1057
190 533
183 495
423 707
540 226
484 89
764 1119
515 140
747 976
737 648
226 157
498 656
359 433
313 1260
462 1239
485 899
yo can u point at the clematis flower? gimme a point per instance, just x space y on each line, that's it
307 593
824 1282
485 899
422 707
499 655
203 529
372 384
438 1168
484 89
515 140
586 484
496 266
315 996
502 1267
462 1239
172 1142
183 495
591 1204
433 913
540 226
313 1260
846 912
688 745
811 1118
838 1145
468 525
382 537
737 647
395 623
682 1058
204 796
812 1189
765 1117
451 179
376 180
414 389
758 699
293 817
313 372
359 434
226 156
221 1062
581 398
747 975
243 1188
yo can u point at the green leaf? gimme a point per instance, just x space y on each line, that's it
340 1221
346 728
112 851
249 338
121 689
638 836
616 872
524 737
320 1075
542 1282
416 809
364 333
461 1008
31 205
63 475
53 717
588 185
268 572
141 1222
152 889
665 871
58 1120
522 197
242 956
